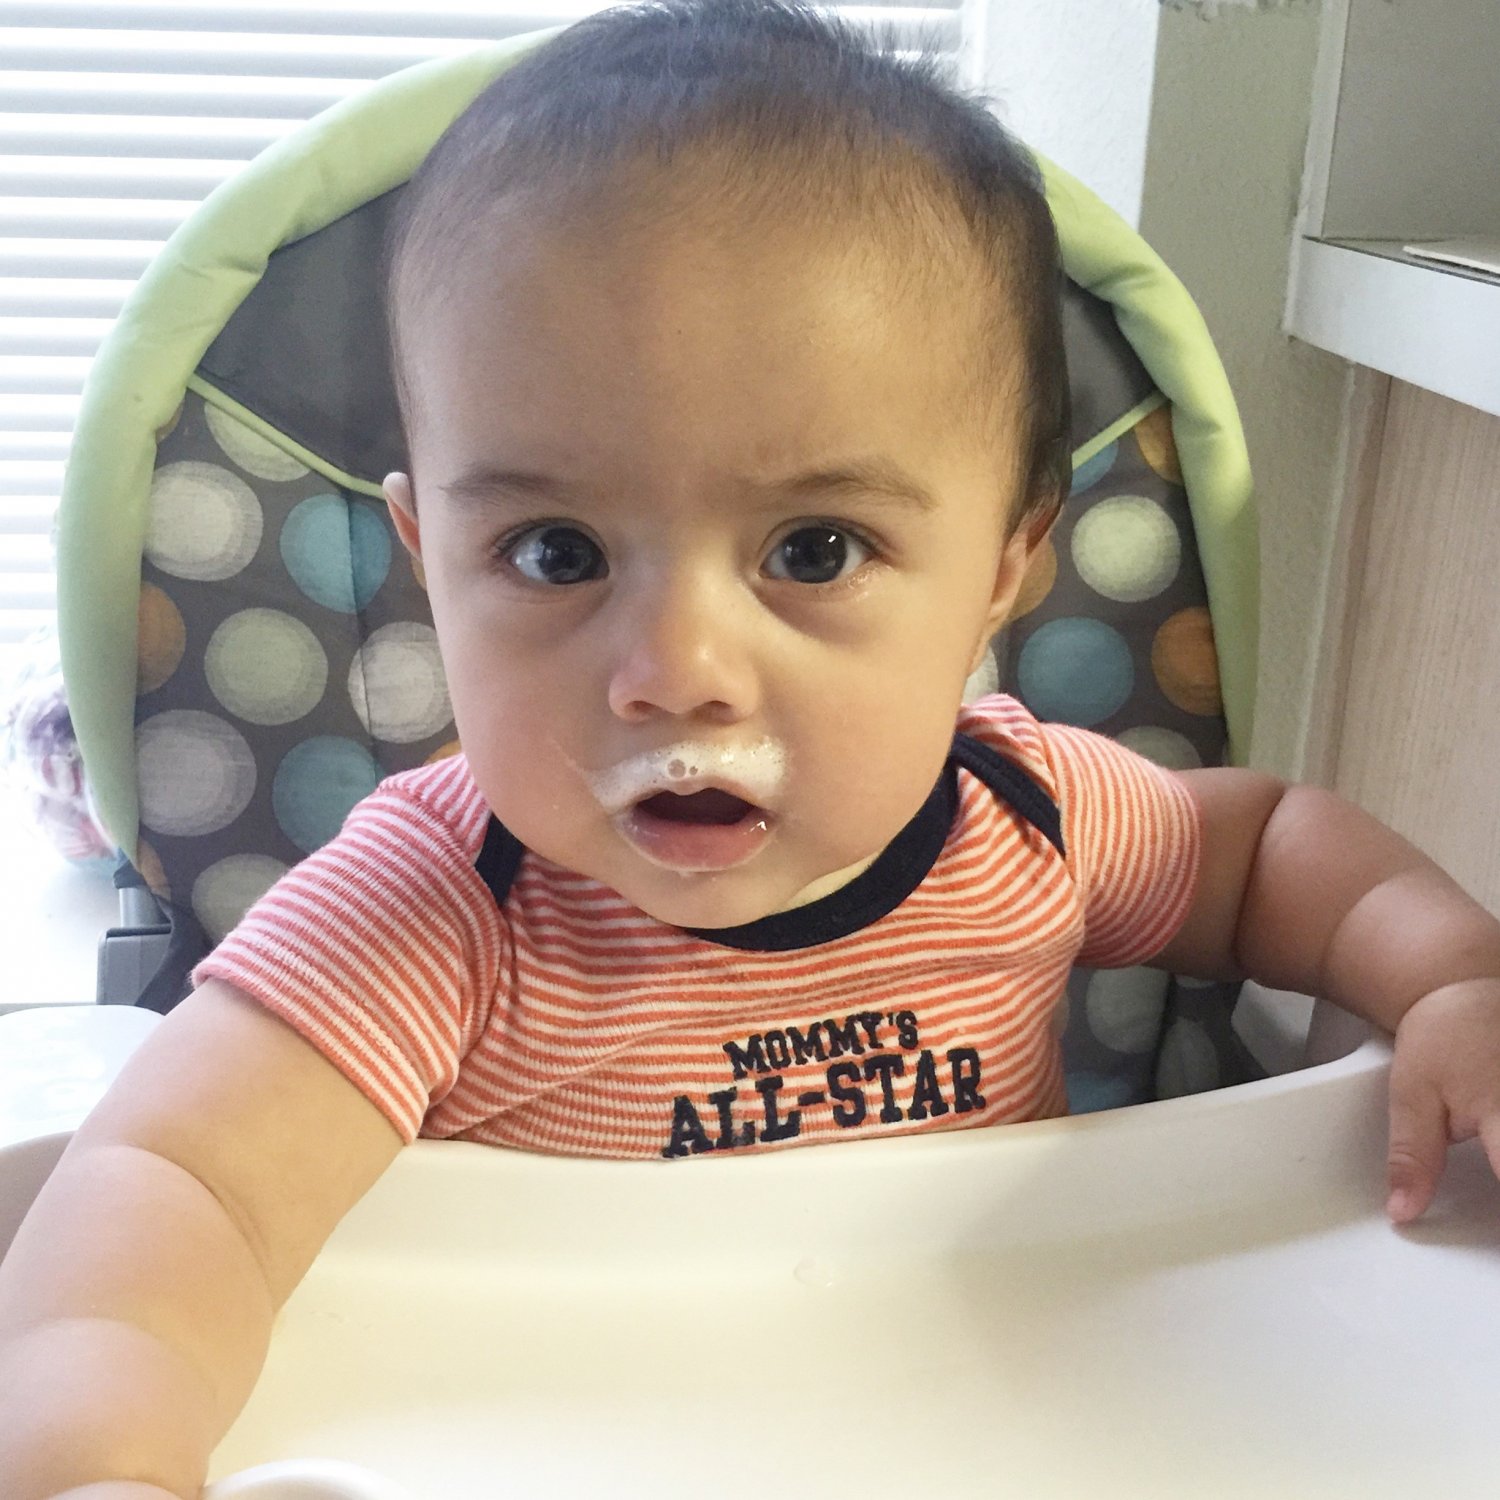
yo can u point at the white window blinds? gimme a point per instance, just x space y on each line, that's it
118 116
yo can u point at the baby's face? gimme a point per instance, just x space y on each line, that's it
703 513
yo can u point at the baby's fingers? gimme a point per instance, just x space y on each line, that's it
1418 1149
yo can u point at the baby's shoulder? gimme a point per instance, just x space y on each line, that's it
1007 726
439 799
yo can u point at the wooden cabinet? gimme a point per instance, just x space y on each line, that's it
1411 680
1406 710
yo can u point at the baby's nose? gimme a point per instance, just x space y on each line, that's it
681 650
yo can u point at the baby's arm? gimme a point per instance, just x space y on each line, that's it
136 1302
1303 891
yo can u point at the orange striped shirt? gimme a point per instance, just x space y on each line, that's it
560 1018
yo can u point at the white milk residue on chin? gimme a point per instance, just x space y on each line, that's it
757 769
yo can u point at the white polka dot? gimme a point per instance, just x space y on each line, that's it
1165 746
266 666
196 772
1124 1007
983 680
204 522
225 891
1188 1064
397 686
1127 548
252 452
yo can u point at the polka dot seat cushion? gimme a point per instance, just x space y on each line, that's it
287 662
1112 632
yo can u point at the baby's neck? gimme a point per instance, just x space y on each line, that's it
826 885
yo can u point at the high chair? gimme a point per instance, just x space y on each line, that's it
248 651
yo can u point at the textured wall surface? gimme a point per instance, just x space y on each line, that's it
1227 133
1073 78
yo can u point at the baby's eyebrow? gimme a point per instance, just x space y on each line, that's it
484 484
879 477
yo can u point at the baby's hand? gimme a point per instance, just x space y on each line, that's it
1445 1086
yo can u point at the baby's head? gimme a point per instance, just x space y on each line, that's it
730 359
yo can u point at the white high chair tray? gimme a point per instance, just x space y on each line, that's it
1196 1298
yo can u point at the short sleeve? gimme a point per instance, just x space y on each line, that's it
1132 834
381 949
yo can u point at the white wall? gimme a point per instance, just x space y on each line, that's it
1073 79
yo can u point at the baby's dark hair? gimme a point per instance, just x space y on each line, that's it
795 108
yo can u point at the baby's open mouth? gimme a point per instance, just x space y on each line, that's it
708 829
710 805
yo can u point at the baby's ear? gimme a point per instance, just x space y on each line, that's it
1038 525
1022 549
401 501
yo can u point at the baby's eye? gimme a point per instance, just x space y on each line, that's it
816 554
556 554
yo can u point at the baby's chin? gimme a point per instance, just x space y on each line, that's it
728 898
706 899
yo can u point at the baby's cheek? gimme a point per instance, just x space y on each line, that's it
859 803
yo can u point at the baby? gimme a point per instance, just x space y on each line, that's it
730 359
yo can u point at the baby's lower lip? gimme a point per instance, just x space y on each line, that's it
686 847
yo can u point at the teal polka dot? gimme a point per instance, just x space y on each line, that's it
316 784
338 551
1091 1092
1075 671
1087 475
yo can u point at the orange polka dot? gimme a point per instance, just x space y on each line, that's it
444 751
1158 446
1037 583
160 639
148 862
1185 662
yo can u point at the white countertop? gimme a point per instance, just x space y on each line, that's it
1199 1298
